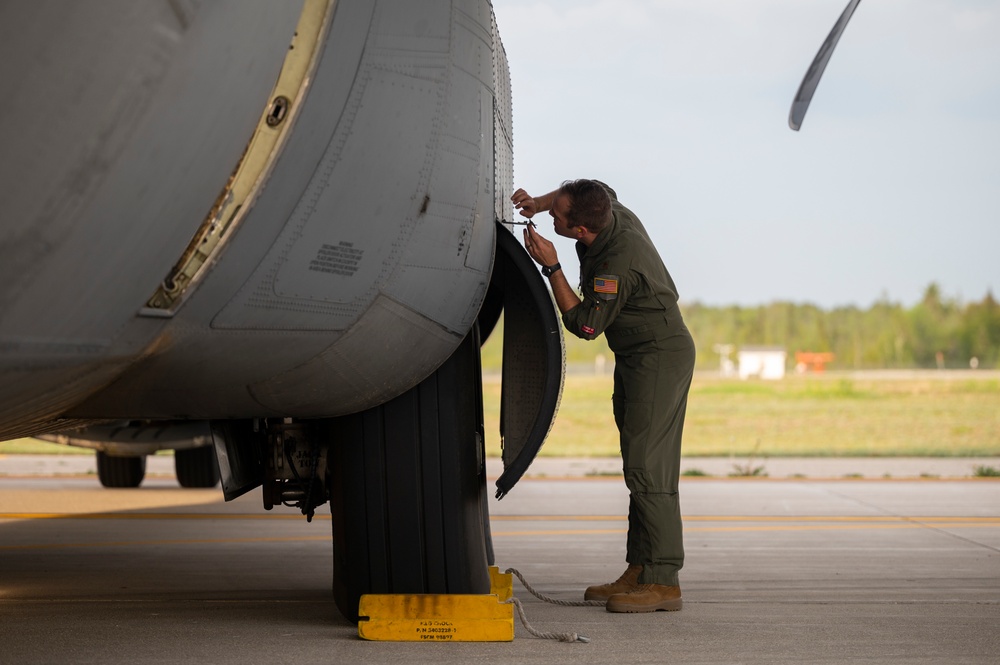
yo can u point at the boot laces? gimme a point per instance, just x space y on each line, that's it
626 577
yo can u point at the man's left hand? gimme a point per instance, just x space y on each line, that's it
540 249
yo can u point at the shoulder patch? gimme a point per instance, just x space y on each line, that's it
606 286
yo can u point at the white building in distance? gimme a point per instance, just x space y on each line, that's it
762 362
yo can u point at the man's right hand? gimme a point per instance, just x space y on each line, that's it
525 203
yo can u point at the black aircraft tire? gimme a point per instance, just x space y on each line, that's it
120 471
408 490
196 467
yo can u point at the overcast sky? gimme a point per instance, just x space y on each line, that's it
682 105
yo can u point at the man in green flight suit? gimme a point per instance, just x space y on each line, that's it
628 295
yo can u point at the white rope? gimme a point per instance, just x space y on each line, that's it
562 637
554 601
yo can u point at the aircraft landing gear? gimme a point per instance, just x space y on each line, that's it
196 467
408 490
116 471
296 468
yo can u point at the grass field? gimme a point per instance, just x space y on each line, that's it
899 414
818 416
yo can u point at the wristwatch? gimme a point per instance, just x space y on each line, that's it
548 270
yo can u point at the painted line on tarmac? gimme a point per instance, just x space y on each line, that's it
875 519
768 528
155 516
538 532
847 478
749 524
529 533
758 518
179 541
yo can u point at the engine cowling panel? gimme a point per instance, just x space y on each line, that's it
358 268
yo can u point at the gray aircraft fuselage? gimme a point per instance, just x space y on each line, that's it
184 238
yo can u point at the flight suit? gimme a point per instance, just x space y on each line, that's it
629 296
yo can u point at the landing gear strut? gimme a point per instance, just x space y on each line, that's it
296 468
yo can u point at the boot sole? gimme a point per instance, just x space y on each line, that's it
666 606
597 595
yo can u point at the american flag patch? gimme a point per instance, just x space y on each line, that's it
605 285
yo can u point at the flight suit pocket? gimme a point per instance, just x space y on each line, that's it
632 338
634 330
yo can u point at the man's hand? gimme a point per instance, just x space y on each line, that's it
540 249
525 203
544 253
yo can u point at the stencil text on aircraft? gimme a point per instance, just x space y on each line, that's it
340 259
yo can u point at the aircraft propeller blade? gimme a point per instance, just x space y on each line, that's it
818 66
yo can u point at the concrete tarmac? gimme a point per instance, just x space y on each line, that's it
778 571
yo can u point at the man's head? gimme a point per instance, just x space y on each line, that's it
581 203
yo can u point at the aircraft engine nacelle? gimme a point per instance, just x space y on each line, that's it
242 208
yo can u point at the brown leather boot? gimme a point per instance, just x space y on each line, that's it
627 582
647 598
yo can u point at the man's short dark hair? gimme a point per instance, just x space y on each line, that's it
589 204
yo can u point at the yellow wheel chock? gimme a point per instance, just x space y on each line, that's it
440 617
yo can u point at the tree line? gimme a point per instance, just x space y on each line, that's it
936 332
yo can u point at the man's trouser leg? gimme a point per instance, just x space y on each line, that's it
650 401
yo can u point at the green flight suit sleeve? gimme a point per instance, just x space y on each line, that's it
604 296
